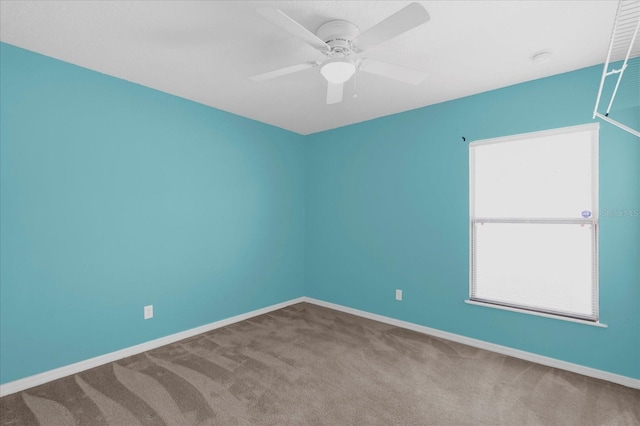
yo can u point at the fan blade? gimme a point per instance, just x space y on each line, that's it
334 92
403 20
282 20
396 72
283 71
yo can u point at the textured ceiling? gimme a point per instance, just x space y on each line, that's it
207 50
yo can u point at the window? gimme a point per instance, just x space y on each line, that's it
533 206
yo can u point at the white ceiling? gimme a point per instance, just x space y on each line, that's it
207 50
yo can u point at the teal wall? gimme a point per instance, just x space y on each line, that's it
115 196
387 208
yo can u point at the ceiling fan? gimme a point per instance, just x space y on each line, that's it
338 40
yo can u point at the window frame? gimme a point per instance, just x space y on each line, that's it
593 220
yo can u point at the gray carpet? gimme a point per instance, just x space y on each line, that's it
308 365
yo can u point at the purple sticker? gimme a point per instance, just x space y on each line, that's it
586 213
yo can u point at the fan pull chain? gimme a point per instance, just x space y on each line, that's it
355 86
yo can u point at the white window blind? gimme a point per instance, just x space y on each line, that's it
533 221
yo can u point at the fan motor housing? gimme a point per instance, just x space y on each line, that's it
338 35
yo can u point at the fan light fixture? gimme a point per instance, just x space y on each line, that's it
338 72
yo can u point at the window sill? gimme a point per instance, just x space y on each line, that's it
539 314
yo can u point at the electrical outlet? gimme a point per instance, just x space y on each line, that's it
148 312
398 294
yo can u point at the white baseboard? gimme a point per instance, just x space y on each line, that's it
67 370
58 373
516 353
